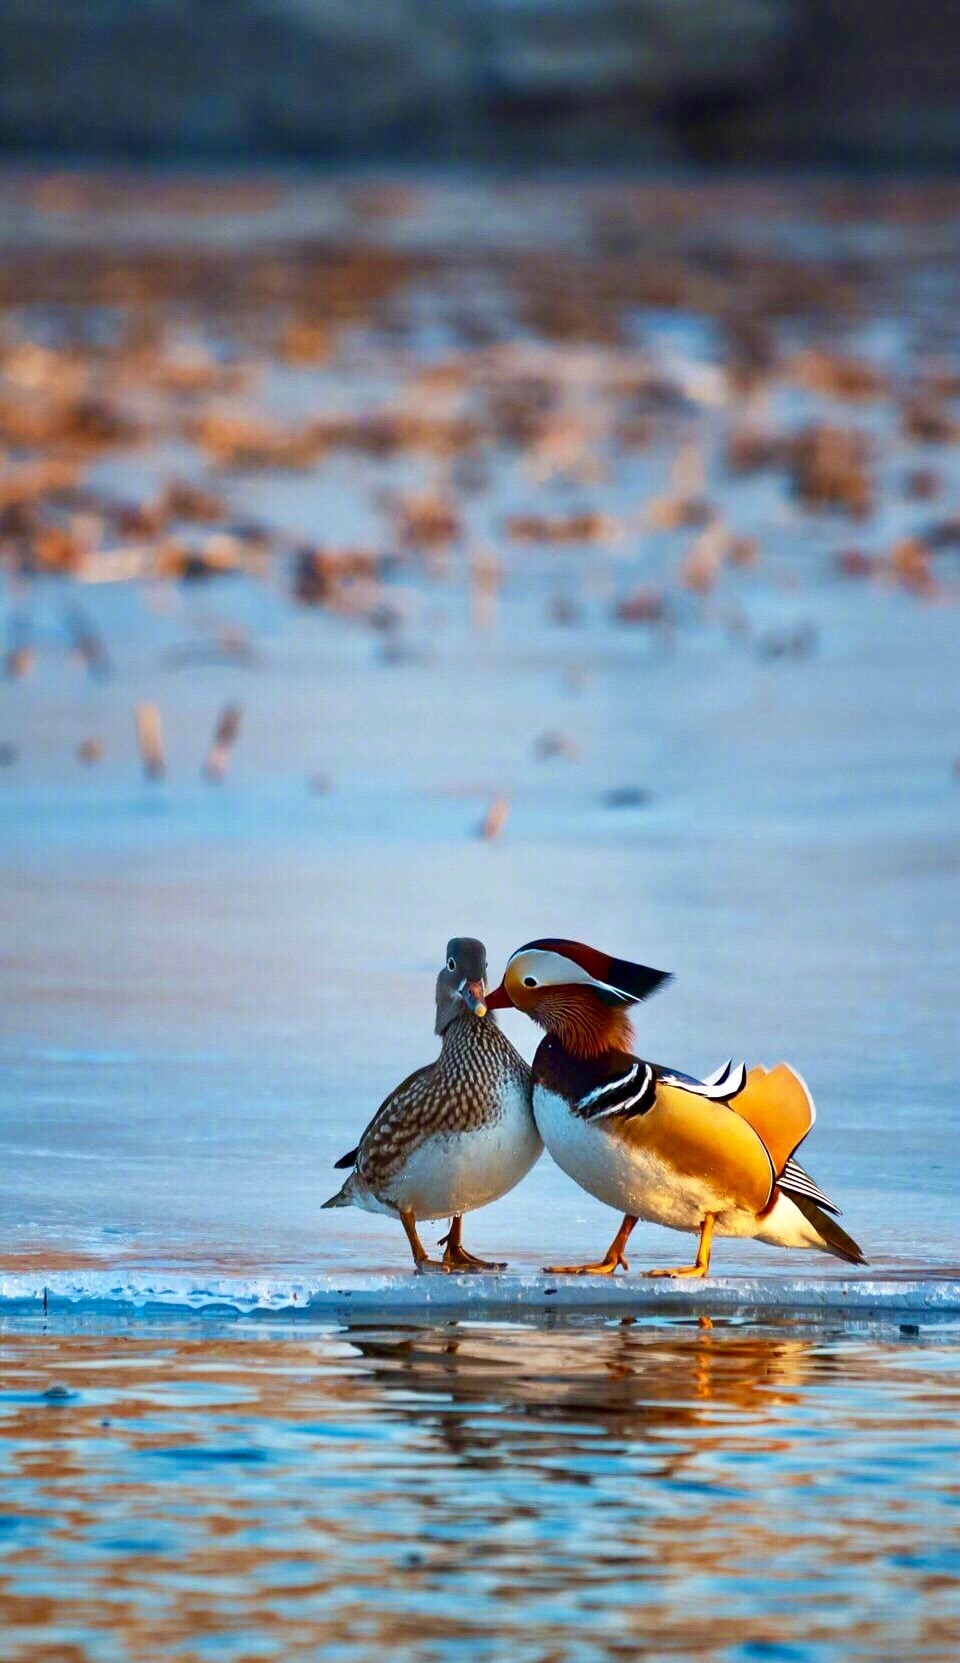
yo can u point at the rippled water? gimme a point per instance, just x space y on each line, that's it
585 1490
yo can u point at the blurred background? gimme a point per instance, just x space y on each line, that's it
506 82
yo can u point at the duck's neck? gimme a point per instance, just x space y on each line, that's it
584 1025
464 1026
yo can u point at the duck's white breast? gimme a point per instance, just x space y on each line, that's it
457 1171
622 1174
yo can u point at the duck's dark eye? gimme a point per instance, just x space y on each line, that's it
529 981
451 964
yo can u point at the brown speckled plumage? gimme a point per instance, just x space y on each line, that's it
463 1091
455 1135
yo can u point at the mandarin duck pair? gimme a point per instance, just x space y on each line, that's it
711 1157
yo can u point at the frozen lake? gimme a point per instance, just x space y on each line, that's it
204 986
205 991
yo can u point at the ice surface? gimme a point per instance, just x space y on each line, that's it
862 1299
205 993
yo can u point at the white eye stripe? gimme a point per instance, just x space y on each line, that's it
556 970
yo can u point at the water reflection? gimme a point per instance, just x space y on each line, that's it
584 1490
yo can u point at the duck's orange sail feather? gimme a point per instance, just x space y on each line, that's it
777 1104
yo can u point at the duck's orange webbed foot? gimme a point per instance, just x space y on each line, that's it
613 1259
424 1266
606 1267
465 1261
456 1257
422 1262
702 1262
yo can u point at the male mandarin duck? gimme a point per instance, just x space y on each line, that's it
454 1135
713 1156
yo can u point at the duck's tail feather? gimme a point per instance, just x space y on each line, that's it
343 1197
349 1159
794 1181
835 1240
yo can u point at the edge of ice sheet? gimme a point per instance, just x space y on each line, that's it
387 1296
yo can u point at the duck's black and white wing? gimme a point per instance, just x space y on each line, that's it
725 1082
793 1180
628 1092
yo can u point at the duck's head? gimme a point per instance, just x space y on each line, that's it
576 992
461 982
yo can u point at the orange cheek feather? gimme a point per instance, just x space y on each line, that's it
584 1025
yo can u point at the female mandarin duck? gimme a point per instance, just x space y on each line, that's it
456 1134
710 1156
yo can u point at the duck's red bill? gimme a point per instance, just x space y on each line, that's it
475 999
498 1000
